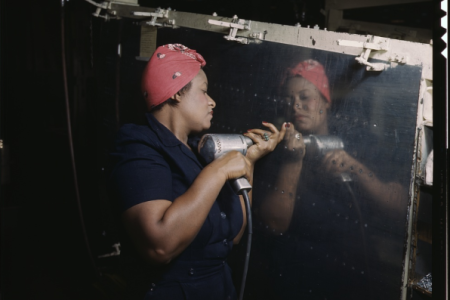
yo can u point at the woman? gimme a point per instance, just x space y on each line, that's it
181 217
320 251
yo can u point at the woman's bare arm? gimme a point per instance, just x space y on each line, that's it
277 207
388 195
162 229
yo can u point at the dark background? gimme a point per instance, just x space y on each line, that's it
44 254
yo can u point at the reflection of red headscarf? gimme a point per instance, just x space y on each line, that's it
314 72
170 68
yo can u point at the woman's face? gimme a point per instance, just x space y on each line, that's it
307 107
196 105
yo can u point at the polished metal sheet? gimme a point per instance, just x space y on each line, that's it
336 232
343 234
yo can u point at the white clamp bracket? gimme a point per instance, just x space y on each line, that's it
234 26
375 44
104 5
400 58
258 35
158 13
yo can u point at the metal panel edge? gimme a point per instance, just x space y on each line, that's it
417 53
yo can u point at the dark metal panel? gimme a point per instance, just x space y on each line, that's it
343 240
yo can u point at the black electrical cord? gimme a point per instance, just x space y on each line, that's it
361 221
249 241
69 131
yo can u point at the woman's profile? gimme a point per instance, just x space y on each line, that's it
180 217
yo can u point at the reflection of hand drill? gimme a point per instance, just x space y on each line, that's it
318 145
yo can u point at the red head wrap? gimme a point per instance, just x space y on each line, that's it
170 68
314 72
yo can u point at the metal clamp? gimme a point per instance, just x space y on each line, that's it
362 59
258 35
234 26
375 44
158 13
400 58
110 15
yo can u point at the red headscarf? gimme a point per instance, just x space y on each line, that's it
170 68
314 72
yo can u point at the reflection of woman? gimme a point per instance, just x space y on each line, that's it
320 250
180 217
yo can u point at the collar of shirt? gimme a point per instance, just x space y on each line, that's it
164 134
168 139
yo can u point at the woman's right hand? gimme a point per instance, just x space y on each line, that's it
293 144
233 165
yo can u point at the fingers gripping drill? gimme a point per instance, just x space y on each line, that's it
212 146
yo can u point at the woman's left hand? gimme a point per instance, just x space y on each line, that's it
339 161
264 141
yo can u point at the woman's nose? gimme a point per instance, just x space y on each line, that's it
211 102
298 105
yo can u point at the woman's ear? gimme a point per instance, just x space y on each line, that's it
176 97
326 104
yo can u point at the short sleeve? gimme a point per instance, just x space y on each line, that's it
140 174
